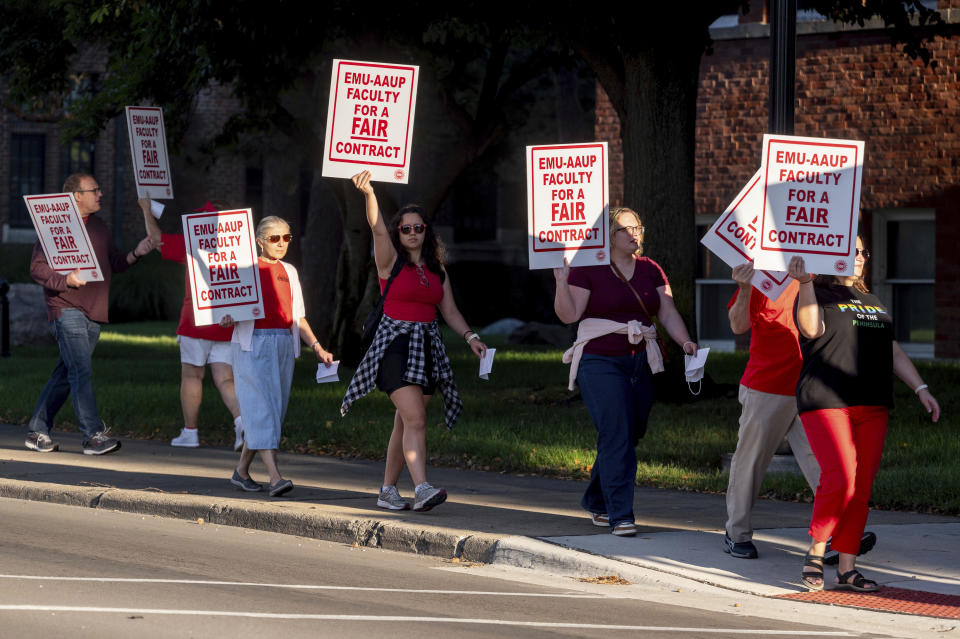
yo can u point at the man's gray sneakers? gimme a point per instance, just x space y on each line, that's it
427 497
41 443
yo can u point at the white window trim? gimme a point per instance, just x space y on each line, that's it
882 286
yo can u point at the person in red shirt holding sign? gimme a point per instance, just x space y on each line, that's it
263 354
767 395
199 345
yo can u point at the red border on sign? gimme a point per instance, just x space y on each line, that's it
47 251
727 217
188 238
333 120
163 140
853 196
533 206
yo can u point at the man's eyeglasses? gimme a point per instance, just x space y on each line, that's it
864 252
273 239
96 190
632 230
407 229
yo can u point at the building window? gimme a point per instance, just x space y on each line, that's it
27 154
714 288
904 274
76 156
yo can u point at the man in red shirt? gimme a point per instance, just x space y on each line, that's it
768 397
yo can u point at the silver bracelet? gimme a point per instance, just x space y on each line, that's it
472 337
315 342
920 388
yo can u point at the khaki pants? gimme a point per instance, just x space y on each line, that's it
765 420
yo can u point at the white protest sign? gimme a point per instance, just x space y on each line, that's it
370 120
811 190
568 204
148 148
735 235
222 265
63 235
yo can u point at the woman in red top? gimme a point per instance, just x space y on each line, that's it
263 354
407 359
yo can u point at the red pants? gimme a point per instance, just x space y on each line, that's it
848 444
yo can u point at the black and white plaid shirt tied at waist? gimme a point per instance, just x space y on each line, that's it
365 379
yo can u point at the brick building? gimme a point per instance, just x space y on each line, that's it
851 82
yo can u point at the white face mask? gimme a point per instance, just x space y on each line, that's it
693 366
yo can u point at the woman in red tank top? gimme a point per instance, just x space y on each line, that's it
407 359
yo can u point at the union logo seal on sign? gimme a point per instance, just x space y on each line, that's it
601 255
256 311
398 174
766 285
95 274
840 266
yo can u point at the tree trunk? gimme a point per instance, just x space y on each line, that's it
657 123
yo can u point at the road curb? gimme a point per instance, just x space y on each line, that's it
269 517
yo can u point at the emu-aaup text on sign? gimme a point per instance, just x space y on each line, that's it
568 205
736 233
148 149
63 235
222 265
811 191
370 120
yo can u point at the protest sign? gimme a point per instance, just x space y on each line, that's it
222 266
567 204
63 235
811 191
734 237
148 148
370 120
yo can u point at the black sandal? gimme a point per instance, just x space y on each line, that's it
807 577
856 582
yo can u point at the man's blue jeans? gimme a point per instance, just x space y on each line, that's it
618 394
77 336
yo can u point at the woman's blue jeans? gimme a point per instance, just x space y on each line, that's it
618 394
77 336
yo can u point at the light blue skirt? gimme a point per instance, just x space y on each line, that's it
262 378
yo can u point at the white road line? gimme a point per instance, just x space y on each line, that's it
201 582
397 618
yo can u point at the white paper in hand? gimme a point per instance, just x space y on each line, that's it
156 209
327 374
486 363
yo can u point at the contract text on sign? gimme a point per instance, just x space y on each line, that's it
63 235
148 149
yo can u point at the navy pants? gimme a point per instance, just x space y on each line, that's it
618 394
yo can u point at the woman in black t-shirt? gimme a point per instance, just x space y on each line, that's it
844 395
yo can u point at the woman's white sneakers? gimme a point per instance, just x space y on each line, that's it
391 499
625 529
427 497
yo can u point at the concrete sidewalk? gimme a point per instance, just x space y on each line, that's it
489 517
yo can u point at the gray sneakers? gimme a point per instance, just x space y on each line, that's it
41 443
101 444
427 497
391 499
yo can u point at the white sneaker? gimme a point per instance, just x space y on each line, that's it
427 497
238 431
188 438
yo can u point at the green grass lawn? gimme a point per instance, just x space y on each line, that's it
523 420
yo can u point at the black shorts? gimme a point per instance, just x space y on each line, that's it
394 365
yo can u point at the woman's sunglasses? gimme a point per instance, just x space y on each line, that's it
273 239
407 229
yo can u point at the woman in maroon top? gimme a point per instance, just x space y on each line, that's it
614 375
407 359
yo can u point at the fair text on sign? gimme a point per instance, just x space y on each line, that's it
148 149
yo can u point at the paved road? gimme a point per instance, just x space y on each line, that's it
76 572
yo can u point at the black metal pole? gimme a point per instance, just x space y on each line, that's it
783 65
4 319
